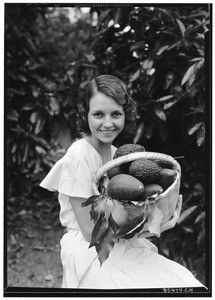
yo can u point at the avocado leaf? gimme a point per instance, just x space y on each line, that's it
90 200
133 210
156 217
97 207
131 226
119 213
106 245
113 224
108 207
99 230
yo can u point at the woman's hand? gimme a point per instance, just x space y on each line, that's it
170 224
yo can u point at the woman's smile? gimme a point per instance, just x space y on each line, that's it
107 131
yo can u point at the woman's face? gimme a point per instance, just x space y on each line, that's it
106 118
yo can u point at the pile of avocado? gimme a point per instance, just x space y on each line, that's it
140 179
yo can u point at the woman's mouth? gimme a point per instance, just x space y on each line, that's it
107 131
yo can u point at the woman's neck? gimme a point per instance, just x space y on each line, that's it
103 149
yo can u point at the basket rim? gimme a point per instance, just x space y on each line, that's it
133 156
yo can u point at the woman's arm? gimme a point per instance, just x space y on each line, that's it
83 216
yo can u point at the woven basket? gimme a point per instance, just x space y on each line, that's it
166 201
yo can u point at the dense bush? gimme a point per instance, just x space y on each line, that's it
158 51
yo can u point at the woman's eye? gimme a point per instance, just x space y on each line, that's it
98 114
117 114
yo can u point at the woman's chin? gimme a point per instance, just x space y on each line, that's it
108 139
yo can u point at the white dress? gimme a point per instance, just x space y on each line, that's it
131 264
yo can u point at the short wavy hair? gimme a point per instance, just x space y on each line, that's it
112 87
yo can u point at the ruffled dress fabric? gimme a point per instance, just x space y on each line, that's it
132 263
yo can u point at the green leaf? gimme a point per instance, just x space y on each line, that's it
188 229
108 207
39 125
33 117
138 45
169 104
185 214
99 230
113 224
197 59
13 115
139 132
194 128
162 49
26 151
181 26
170 77
119 213
133 210
22 78
97 207
201 238
14 148
201 135
160 113
28 106
106 245
156 217
147 64
54 107
40 150
200 218
90 200
165 98
135 76
189 73
130 226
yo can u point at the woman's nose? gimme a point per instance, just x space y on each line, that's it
108 122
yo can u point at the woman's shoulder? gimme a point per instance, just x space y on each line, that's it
82 149
77 147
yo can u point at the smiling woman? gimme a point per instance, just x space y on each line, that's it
105 112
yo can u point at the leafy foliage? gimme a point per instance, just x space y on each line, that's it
158 51
114 220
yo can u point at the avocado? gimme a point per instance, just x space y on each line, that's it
115 171
124 187
145 170
127 149
167 177
163 163
150 190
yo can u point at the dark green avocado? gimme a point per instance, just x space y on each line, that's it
115 171
167 177
145 170
163 163
127 149
124 187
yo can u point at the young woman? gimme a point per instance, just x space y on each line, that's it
105 113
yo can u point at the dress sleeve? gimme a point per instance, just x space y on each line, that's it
71 175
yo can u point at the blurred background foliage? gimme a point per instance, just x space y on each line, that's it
159 52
